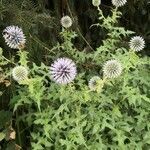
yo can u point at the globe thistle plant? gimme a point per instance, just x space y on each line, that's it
63 70
112 69
19 73
137 43
93 83
14 37
66 21
119 3
96 3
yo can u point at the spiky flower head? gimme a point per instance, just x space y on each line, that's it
137 43
112 69
66 21
96 3
119 3
14 37
93 83
20 73
63 70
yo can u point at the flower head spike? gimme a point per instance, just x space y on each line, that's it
137 43
14 37
119 3
112 69
20 73
63 70
93 83
66 21
96 3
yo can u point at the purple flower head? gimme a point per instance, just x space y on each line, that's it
14 37
63 71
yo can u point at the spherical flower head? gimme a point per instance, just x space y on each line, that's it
96 3
66 21
137 43
63 71
93 83
112 69
119 3
14 37
20 73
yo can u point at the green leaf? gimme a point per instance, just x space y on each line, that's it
2 136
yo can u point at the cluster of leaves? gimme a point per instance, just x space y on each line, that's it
72 117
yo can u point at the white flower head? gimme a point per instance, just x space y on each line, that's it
93 83
63 71
20 73
119 3
112 69
96 3
66 21
137 43
14 37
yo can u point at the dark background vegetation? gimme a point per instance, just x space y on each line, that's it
40 20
